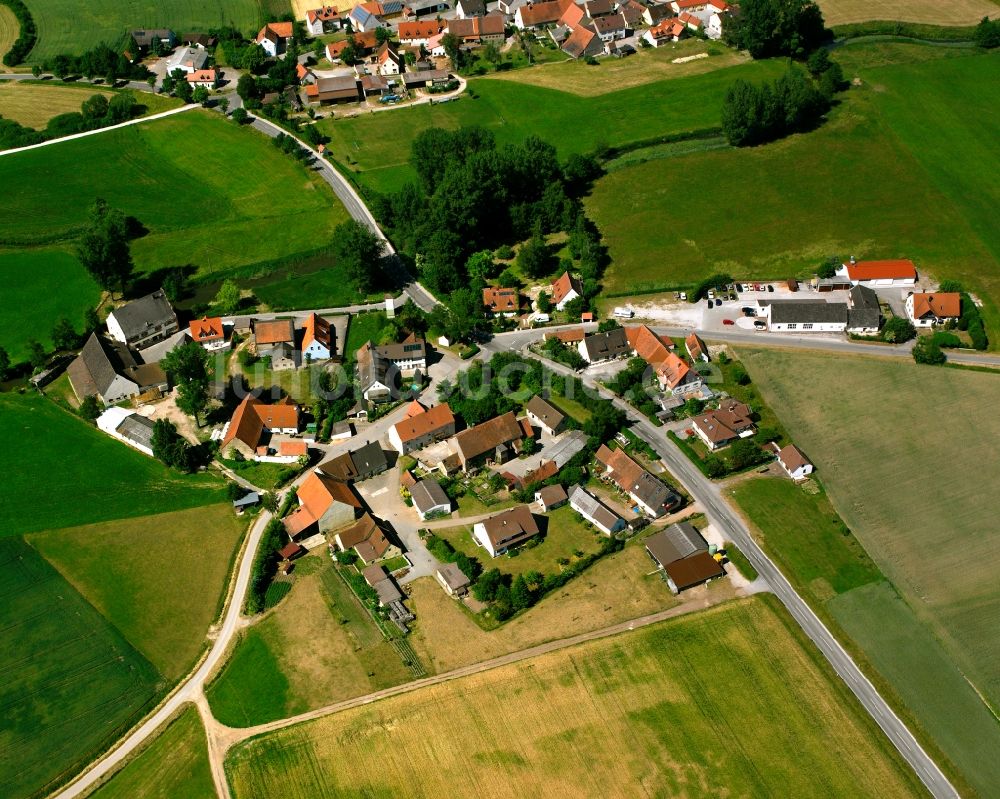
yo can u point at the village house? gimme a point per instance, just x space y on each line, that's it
145 38
426 77
581 42
144 321
415 34
479 30
381 367
537 15
389 61
422 426
611 28
864 314
204 78
323 20
566 289
665 31
344 89
720 428
274 37
500 300
551 497
369 538
304 75
682 554
452 579
360 464
926 309
415 9
606 346
188 60
652 495
671 371
470 8
275 339
379 580
542 413
364 43
363 21
209 332
112 372
696 349
506 530
325 504
595 511
128 427
808 316
429 498
793 461
495 439
256 427
879 274
318 339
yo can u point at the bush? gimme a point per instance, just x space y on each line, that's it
897 330
947 340
927 351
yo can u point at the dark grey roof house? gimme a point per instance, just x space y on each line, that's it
605 346
111 372
369 461
143 321
864 314
674 543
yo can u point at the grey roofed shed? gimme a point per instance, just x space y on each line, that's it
814 311
865 311
676 542
137 429
246 501
428 494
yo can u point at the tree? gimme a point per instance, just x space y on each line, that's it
358 251
829 267
897 329
123 107
927 350
740 376
744 453
91 320
349 54
228 297
988 33
104 247
192 398
4 364
36 354
533 257
188 367
183 91
64 337
544 302
89 409
169 447
246 87
452 45
480 267
485 588
201 96
95 108
269 501
768 28
224 105
520 594
253 58
383 35
240 116
492 54
743 114
235 491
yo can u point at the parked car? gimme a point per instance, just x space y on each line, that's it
760 324
728 322
770 287
711 294
684 295
748 311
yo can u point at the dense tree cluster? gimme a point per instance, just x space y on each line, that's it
102 61
104 248
971 320
987 33
27 36
359 251
188 367
758 114
472 195
768 28
171 448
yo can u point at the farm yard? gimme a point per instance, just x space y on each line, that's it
893 480
163 587
34 103
316 647
376 147
67 27
174 766
71 682
799 216
70 474
959 12
691 707
260 207
40 287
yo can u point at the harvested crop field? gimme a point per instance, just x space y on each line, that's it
34 103
957 12
913 482
693 707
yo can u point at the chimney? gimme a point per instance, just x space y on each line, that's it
853 261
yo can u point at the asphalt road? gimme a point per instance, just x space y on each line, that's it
734 528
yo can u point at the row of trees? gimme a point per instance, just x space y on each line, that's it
27 36
102 61
758 114
95 112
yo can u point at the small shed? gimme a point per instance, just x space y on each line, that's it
246 501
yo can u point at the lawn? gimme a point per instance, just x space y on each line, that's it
317 647
72 684
175 766
164 585
362 328
814 196
68 473
213 196
66 27
34 104
693 707
41 286
567 534
904 452
619 587
263 475
377 146
960 12
301 385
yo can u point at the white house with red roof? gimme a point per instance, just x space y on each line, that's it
880 274
317 339
204 78
323 20
209 332
566 289
274 37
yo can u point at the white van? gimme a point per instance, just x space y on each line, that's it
624 313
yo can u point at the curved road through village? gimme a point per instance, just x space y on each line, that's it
702 489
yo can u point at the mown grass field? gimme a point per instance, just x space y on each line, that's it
854 186
34 103
175 766
377 146
318 646
693 707
40 287
904 452
163 586
67 27
69 473
9 30
71 683
958 12
566 534
213 196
